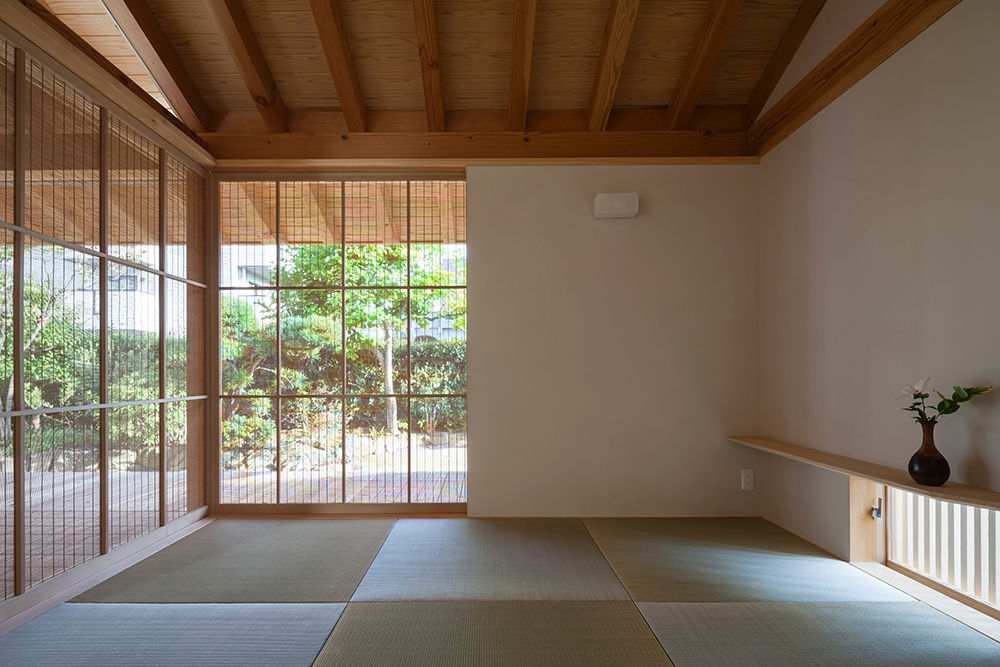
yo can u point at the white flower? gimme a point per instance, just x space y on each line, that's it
914 390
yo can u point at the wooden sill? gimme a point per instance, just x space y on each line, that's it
895 477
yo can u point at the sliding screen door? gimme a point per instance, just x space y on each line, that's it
342 342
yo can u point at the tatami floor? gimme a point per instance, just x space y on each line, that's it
494 592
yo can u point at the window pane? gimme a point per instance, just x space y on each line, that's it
185 221
185 352
437 233
134 206
311 450
176 458
438 331
249 451
248 344
311 359
61 326
376 233
7 502
62 496
376 341
311 234
64 150
248 256
376 449
177 339
133 472
6 316
439 450
6 132
133 334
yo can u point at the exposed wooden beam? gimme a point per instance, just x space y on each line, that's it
144 33
617 32
464 147
782 56
239 37
700 65
430 63
717 118
520 63
328 19
885 32
27 24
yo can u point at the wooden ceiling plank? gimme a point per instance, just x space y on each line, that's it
234 25
333 36
151 44
617 33
886 31
700 65
430 63
783 55
520 63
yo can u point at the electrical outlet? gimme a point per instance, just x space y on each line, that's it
746 479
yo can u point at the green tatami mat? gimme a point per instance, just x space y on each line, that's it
490 559
727 560
815 633
253 560
170 634
492 633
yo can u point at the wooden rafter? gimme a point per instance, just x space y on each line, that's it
707 48
238 34
520 62
151 44
328 19
885 32
617 32
430 63
783 55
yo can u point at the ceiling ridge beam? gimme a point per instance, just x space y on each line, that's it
430 63
232 21
142 30
707 48
520 63
617 33
337 48
787 48
886 31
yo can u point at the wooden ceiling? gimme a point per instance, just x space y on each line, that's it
286 82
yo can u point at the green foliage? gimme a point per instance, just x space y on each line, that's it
946 406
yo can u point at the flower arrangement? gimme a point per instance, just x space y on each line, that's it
918 396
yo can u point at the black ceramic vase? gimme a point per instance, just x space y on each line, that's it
927 466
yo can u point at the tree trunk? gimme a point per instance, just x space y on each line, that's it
391 417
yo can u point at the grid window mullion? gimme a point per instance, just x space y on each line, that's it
347 312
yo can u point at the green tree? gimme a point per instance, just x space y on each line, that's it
375 318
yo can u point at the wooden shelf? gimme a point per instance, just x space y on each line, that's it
895 477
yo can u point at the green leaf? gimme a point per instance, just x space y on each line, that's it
960 394
947 407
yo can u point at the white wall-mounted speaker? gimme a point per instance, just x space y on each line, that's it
616 205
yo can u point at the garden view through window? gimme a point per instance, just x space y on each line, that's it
342 350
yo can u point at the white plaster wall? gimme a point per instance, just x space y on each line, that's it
878 254
609 359
834 23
